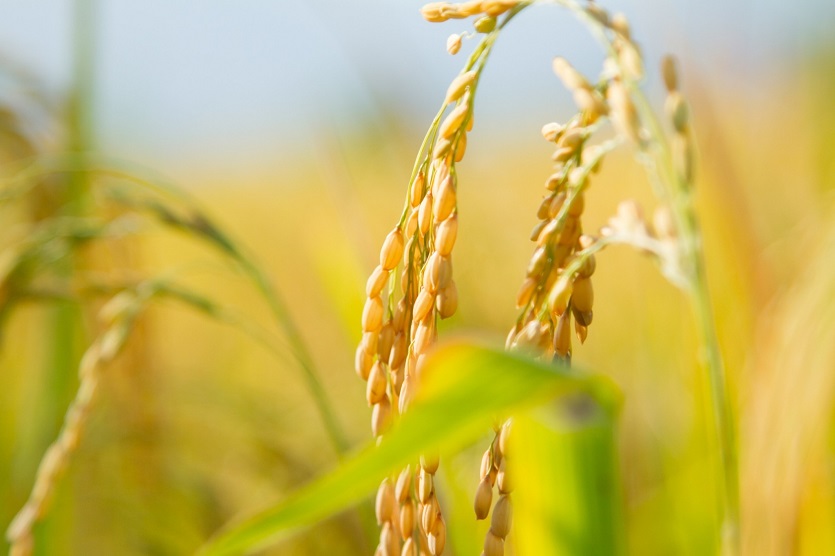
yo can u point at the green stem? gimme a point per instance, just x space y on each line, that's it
680 198
279 310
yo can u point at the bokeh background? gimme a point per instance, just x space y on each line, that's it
295 125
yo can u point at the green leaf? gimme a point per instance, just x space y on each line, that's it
464 387
567 493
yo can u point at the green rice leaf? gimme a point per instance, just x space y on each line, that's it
465 387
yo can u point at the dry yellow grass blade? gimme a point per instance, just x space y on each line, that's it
788 423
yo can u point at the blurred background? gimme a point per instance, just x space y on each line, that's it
295 126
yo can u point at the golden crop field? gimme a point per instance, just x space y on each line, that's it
179 358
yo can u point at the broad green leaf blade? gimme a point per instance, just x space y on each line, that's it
567 493
464 387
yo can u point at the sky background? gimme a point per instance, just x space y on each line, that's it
176 80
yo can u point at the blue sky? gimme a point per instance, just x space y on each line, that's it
176 79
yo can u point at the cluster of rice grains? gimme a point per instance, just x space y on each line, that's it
556 297
400 318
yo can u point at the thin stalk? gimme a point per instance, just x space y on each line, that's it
278 308
679 196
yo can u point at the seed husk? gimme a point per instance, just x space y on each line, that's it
385 341
430 463
376 388
560 295
369 342
381 417
502 517
578 205
562 336
445 199
409 547
363 363
446 235
389 540
587 268
537 230
453 121
384 504
417 191
437 538
372 314
495 8
493 545
392 249
583 297
571 78
562 154
572 138
461 147
402 488
425 214
459 85
669 73
376 281
423 338
485 24
429 515
630 59
399 349
483 498
537 263
487 462
581 331
423 305
453 44
447 300
583 318
432 12
425 486
502 480
620 25
526 292
552 131
406 393
624 114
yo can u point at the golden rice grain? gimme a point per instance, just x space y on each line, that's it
446 235
526 292
376 388
483 498
407 519
437 538
669 73
376 281
381 417
502 516
445 199
417 190
459 86
453 121
372 314
423 304
447 300
453 44
392 249
493 545
384 504
363 363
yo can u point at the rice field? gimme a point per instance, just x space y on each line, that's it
615 339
